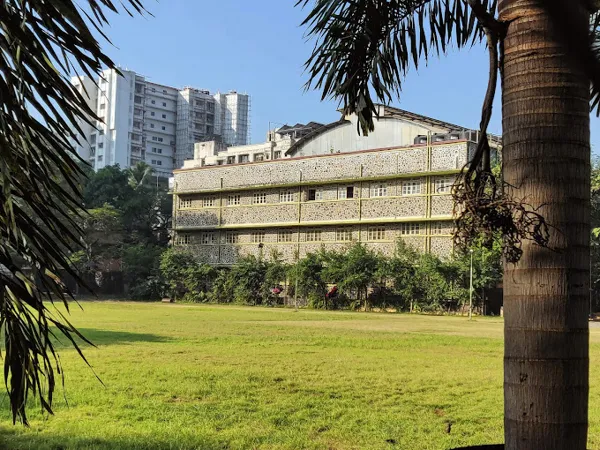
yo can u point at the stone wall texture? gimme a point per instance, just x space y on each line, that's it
298 206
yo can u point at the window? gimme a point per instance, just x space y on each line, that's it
259 199
101 132
153 162
443 185
151 125
137 99
102 106
158 162
160 139
411 187
379 190
410 228
100 144
343 234
258 237
208 202
231 237
376 234
154 138
437 228
164 104
259 157
100 158
153 89
163 128
231 160
153 102
137 111
185 203
234 200
315 194
207 238
164 91
284 236
152 113
313 236
164 116
346 192
277 154
243 158
184 239
286 197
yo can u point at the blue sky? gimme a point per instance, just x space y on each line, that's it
258 47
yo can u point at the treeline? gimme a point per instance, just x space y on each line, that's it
356 278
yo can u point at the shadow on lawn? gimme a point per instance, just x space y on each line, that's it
18 438
108 337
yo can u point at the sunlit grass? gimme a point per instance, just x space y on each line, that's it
216 377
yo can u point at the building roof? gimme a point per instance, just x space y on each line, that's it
389 112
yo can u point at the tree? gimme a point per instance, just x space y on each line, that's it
42 44
546 61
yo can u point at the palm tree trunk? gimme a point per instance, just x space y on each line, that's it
545 103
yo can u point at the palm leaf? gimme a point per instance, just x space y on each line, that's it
42 44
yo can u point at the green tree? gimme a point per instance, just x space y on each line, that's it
546 60
43 43
141 271
309 276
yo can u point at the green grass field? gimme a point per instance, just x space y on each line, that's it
217 377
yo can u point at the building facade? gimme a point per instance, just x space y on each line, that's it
146 121
331 188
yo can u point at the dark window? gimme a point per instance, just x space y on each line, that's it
312 195
350 192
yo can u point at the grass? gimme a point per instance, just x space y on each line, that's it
218 377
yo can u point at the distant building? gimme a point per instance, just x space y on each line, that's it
316 185
158 124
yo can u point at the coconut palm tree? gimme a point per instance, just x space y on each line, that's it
546 54
42 43
139 175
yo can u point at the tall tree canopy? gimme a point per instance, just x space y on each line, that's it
42 44
547 56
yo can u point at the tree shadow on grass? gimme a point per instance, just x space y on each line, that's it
17 438
108 337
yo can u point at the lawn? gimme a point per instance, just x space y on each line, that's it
218 377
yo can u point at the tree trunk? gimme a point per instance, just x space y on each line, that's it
546 135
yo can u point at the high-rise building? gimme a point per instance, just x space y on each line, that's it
151 122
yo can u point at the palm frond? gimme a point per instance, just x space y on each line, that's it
42 44
368 46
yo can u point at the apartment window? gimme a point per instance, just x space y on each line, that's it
164 91
259 157
443 185
210 118
100 144
410 228
258 237
208 202
185 203
153 161
411 187
100 132
211 106
164 128
284 236
234 200
313 236
153 89
137 99
152 113
286 197
102 105
345 192
243 158
100 158
154 138
437 228
259 199
315 194
209 130
137 111
184 239
164 116
343 234
153 102
151 125
207 238
231 160
376 234
160 139
200 103
164 104
379 190
158 162
93 150
231 237
277 154
137 124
